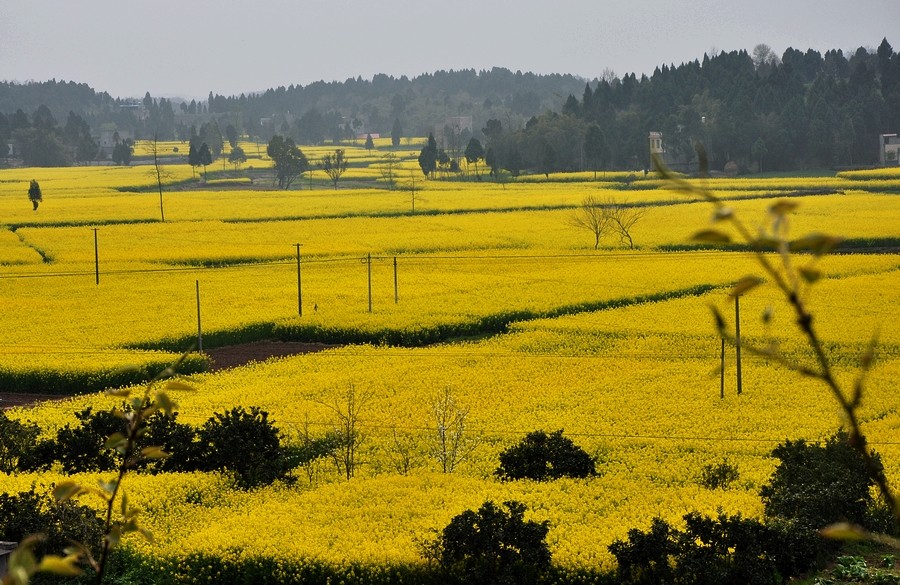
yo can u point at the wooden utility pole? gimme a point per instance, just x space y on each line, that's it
299 284
96 259
737 340
199 325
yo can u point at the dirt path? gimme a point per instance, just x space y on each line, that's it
221 358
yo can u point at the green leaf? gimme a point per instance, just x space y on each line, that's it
782 207
108 487
179 385
146 534
810 275
766 243
124 503
165 403
818 244
115 441
114 536
844 531
65 566
66 490
154 452
745 285
713 236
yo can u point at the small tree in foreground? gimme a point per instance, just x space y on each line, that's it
34 194
543 457
494 545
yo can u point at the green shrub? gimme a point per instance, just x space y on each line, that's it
542 457
820 484
246 445
725 549
494 546
29 513
16 440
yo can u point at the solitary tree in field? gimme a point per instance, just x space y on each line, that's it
474 151
204 157
334 165
289 160
396 133
591 216
237 157
34 193
428 156
370 144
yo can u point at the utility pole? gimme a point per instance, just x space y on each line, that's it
299 284
96 259
396 284
722 372
369 263
737 340
199 325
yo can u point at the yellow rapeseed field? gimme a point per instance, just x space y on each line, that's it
614 346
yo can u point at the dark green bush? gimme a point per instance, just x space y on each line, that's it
820 484
494 546
542 457
29 513
16 440
177 439
81 448
246 445
710 551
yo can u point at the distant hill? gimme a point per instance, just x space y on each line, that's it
419 104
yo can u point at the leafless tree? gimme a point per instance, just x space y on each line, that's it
622 218
346 431
452 442
591 216
604 216
387 169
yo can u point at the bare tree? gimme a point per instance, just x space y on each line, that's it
403 455
591 216
387 169
346 431
622 218
452 445
601 217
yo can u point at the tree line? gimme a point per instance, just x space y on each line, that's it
759 111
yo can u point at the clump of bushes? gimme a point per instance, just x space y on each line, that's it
244 444
60 523
493 545
543 457
822 484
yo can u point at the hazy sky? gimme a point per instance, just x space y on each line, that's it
191 47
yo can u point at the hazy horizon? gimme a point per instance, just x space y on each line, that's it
187 50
